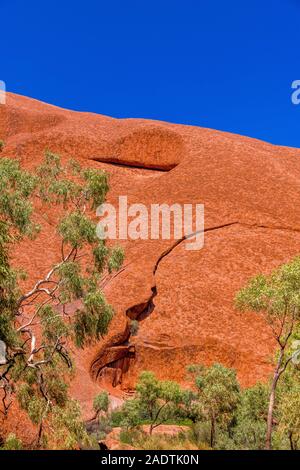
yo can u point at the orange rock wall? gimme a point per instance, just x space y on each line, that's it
250 190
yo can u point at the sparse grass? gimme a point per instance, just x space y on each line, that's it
160 442
199 434
141 440
130 436
169 422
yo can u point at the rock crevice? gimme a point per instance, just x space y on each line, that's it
117 353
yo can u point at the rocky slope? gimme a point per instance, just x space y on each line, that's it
182 299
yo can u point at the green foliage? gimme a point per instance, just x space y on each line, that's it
2 145
57 415
101 254
156 401
130 414
134 327
98 430
225 417
50 168
218 397
12 443
89 189
53 325
276 295
116 417
116 259
219 392
251 419
101 402
34 325
254 403
57 389
190 409
104 425
93 321
288 410
66 429
37 409
16 187
71 281
77 229
74 167
7 332
231 418
199 434
96 186
129 437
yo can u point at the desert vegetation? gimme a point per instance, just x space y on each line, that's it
36 329
213 414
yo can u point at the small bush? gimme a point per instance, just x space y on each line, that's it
134 327
98 430
116 418
2 145
130 437
101 402
199 434
12 443
104 426
101 436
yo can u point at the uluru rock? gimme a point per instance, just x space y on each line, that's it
183 300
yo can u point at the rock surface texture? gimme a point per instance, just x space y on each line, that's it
182 299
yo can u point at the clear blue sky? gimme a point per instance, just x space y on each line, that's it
224 64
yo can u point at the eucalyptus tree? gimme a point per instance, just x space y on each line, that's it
218 396
156 401
36 330
277 298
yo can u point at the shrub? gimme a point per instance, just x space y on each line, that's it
134 327
129 437
12 443
101 402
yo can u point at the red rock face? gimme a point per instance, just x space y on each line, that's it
183 300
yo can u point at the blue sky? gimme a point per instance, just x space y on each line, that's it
226 65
